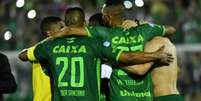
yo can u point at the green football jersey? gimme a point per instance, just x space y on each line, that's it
74 63
124 86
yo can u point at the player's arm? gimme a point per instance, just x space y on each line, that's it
35 53
140 69
152 30
66 31
151 46
91 31
169 31
23 55
127 24
132 58
166 29
27 54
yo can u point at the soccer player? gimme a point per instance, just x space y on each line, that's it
74 62
41 81
165 77
124 86
106 69
7 80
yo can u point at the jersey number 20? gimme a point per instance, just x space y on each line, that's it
74 82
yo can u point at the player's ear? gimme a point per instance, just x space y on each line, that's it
110 19
106 16
109 16
49 33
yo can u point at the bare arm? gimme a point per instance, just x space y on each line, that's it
128 58
133 58
127 24
169 31
81 31
23 55
141 69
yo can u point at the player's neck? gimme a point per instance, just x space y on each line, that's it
117 22
77 25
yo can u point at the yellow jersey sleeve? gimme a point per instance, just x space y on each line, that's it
30 53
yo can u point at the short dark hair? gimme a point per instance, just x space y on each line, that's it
96 20
115 8
47 23
74 17
113 2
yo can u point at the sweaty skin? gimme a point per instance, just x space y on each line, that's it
165 77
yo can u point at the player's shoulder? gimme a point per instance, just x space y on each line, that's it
98 30
161 39
140 27
42 43
97 27
82 39
145 25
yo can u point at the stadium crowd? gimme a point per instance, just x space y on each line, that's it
183 14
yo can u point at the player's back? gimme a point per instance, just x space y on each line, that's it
75 68
165 77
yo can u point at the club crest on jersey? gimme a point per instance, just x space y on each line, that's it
151 24
106 44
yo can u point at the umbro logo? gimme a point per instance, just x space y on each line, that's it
70 40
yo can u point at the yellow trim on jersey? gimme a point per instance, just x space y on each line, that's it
30 54
117 58
98 63
88 32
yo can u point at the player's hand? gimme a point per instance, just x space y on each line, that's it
143 22
63 32
163 57
127 24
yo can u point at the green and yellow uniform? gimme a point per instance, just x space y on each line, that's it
40 82
74 65
124 86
